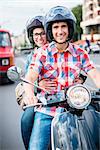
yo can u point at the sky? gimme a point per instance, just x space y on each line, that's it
15 13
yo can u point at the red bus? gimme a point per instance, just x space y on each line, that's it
6 54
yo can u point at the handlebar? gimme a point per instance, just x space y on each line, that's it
95 101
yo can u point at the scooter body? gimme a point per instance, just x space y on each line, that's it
71 130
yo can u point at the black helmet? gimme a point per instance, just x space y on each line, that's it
36 22
59 13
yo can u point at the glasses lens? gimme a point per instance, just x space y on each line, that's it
39 34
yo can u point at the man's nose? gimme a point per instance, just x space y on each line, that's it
60 30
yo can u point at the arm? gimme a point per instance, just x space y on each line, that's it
94 74
89 68
31 76
33 72
28 61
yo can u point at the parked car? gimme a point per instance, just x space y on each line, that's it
95 48
6 55
26 50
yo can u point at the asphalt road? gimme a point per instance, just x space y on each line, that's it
10 113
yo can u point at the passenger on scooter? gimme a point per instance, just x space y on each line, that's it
37 37
60 60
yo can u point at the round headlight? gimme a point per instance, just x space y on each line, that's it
79 96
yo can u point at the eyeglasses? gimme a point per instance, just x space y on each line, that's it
38 34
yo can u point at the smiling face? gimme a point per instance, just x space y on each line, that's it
60 32
39 37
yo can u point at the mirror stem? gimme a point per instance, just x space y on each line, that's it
34 85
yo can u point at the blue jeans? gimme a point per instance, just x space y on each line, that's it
27 125
41 132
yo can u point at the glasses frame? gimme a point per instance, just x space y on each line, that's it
41 34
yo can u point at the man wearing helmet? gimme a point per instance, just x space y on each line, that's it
60 60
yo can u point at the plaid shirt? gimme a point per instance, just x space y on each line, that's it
62 66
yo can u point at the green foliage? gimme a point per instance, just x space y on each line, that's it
78 14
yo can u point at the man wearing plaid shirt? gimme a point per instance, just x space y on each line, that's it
60 61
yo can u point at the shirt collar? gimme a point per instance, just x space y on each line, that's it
71 48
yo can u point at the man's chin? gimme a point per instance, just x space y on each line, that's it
60 42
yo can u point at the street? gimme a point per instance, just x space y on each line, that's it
10 115
10 112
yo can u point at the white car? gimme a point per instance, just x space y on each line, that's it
95 48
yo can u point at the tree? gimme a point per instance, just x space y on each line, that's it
78 14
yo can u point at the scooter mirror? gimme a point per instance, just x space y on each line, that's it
14 73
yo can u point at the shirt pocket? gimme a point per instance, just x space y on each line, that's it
50 71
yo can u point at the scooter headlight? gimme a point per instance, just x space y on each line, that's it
79 96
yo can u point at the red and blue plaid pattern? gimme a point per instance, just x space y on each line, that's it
64 67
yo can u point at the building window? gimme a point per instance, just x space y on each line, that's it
91 16
95 28
98 12
98 2
91 7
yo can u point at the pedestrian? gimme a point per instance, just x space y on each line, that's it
88 45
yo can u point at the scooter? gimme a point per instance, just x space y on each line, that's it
70 129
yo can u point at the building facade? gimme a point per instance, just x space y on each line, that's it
91 20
